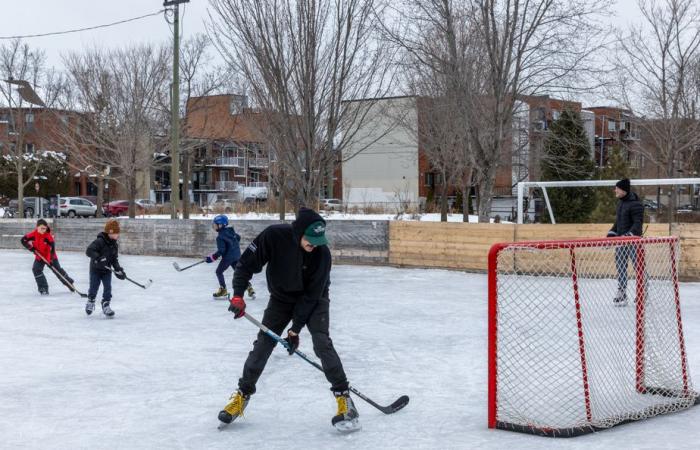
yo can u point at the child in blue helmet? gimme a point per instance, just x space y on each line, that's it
228 249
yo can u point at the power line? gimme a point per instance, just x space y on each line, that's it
78 30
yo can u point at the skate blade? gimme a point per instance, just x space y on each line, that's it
620 304
348 426
223 425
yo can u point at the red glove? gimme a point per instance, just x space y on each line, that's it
237 307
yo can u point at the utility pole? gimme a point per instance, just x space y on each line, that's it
175 111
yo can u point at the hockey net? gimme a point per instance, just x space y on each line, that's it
564 358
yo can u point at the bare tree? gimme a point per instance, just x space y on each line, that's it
302 60
532 46
119 92
22 69
659 68
441 61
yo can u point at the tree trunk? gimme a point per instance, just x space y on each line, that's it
443 200
281 208
486 195
132 197
100 195
186 186
466 191
20 189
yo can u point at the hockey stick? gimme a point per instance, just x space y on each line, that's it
144 286
390 409
180 269
58 274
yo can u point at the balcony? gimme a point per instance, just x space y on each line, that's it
229 186
227 162
259 163
258 184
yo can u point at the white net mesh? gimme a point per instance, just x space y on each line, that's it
587 334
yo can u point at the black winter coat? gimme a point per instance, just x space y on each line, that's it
101 247
293 275
629 217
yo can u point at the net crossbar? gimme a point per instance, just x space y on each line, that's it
585 334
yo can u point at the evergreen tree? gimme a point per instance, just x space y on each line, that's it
567 157
606 202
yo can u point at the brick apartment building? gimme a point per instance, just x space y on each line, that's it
41 130
229 152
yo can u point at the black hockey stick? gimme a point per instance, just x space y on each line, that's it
144 286
180 269
390 409
58 274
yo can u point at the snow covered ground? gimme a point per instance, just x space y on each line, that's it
156 375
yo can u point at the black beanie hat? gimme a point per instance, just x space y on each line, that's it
41 222
624 184
305 217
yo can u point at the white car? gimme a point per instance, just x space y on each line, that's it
145 203
332 204
76 206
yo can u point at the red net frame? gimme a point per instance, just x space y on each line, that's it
679 391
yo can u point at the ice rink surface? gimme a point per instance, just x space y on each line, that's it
156 375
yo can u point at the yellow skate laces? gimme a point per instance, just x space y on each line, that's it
235 406
342 405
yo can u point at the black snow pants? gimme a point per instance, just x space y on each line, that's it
38 270
277 316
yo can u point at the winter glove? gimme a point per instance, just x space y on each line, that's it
611 234
120 274
210 258
237 306
28 246
100 263
292 341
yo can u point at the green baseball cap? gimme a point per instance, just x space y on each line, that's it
316 233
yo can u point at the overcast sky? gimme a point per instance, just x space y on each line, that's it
24 17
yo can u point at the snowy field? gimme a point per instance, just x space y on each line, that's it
156 375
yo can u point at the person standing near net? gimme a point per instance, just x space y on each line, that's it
298 277
628 222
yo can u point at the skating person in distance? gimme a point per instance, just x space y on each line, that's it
628 222
227 248
41 242
298 277
104 253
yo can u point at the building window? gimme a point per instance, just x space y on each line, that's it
429 179
611 125
29 148
29 118
223 175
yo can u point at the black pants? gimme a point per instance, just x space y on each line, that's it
221 268
100 277
38 270
277 316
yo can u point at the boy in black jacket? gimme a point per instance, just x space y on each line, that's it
103 253
298 277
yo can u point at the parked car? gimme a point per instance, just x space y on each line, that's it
331 204
686 208
30 204
76 207
145 203
224 205
120 208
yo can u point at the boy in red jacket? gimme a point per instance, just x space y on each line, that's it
41 242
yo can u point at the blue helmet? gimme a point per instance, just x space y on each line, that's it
221 220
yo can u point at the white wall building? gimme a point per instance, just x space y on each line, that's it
384 169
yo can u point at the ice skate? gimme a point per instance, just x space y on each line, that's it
221 294
620 298
346 419
106 310
90 306
234 409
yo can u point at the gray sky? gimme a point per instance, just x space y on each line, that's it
22 17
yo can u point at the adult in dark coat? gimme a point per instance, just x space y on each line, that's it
298 277
628 222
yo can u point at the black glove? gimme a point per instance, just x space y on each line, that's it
292 341
27 246
120 273
100 263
